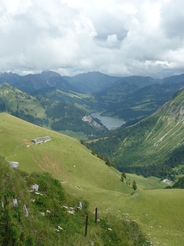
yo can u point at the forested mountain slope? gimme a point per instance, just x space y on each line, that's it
83 101
59 116
153 146
137 97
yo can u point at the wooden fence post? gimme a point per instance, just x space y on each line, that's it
86 228
95 215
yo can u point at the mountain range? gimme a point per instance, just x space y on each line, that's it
130 98
32 82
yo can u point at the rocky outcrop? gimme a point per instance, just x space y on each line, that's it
91 121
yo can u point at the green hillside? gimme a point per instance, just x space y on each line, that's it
72 164
153 146
63 156
56 115
86 102
86 177
50 216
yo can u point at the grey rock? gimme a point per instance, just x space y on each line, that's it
35 187
80 206
15 202
13 164
25 210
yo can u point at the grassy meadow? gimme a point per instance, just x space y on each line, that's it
158 211
17 100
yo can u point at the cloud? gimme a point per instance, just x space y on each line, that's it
172 19
117 37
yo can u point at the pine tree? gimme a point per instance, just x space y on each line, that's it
94 151
114 165
134 186
98 155
82 142
124 175
87 146
107 162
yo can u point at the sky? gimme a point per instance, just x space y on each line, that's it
115 37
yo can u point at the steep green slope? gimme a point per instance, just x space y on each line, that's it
86 102
53 114
63 156
50 216
86 177
73 165
151 147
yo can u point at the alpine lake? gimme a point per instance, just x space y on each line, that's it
110 122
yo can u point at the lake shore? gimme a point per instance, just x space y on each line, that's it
109 122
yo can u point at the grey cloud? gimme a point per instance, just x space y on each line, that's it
117 37
172 19
110 26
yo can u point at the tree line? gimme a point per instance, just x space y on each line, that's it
100 156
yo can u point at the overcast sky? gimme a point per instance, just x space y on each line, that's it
116 37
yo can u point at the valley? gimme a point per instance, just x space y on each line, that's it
91 123
128 98
148 148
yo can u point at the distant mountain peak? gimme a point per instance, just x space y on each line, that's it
48 74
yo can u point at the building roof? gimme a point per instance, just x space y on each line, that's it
41 139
